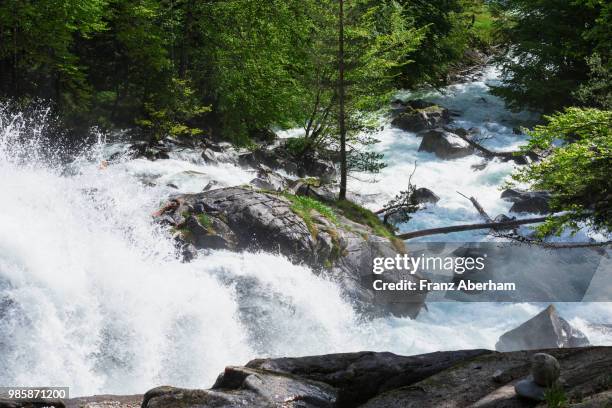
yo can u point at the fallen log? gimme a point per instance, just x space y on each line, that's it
478 207
468 227
517 156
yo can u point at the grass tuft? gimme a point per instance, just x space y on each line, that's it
304 207
555 397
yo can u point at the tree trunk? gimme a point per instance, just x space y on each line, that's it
457 228
341 113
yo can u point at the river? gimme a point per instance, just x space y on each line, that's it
92 296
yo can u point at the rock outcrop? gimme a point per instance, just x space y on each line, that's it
279 157
546 330
527 201
474 378
239 218
444 144
421 116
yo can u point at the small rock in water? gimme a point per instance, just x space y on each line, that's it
545 369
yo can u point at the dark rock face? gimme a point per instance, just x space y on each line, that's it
445 145
475 378
321 193
279 158
546 330
419 119
527 201
268 179
424 195
361 376
155 151
245 387
238 218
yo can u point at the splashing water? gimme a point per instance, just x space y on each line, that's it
476 108
93 297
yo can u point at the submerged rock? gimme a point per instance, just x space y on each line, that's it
419 119
546 330
445 145
239 218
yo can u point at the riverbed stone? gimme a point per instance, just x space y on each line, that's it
445 145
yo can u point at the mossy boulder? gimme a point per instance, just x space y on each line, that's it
300 228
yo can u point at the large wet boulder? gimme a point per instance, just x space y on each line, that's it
424 195
416 119
474 378
545 330
445 145
240 218
536 202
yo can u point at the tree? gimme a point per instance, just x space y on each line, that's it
341 107
577 173
549 42
37 58
350 63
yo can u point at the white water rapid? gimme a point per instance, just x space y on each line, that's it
93 297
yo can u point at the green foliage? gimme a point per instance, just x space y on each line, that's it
451 28
297 146
37 41
255 64
378 41
304 206
597 91
555 397
550 42
577 171
204 220
173 116
361 215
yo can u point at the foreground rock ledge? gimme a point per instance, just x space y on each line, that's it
472 378
241 218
